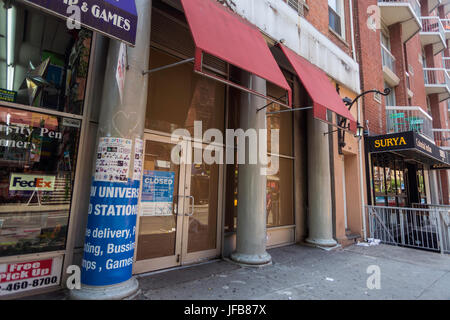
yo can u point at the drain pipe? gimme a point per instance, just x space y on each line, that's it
361 173
361 178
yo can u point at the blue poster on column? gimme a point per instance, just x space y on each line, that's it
110 233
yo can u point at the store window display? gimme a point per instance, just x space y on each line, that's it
43 79
42 63
37 166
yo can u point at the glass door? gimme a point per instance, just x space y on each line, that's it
201 225
179 206
161 208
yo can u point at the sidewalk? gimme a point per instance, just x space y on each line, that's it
301 272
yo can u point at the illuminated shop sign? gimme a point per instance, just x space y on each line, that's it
115 18
27 182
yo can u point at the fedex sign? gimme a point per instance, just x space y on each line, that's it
28 182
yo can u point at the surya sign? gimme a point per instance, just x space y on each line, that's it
390 142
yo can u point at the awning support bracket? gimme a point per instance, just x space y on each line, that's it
272 102
290 110
168 66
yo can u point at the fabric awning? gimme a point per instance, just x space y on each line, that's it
223 34
319 88
114 18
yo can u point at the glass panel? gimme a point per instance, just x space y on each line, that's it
378 179
203 223
42 63
37 169
279 196
231 200
157 230
280 121
421 185
188 96
401 188
390 181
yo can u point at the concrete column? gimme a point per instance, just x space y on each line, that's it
320 220
251 234
106 274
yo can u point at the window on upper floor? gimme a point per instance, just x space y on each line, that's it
298 5
390 99
336 16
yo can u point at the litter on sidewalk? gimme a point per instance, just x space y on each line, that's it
370 242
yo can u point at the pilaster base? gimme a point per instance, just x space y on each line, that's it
115 292
322 242
251 259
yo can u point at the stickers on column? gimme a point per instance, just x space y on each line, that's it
113 160
138 159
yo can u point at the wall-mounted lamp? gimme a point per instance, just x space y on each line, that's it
359 131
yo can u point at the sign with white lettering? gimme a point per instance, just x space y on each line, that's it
24 276
110 233
114 18
157 193
31 182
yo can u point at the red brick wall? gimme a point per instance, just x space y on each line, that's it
397 50
369 57
417 83
317 15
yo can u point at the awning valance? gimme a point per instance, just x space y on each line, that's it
114 18
319 88
223 34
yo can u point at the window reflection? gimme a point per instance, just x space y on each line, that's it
42 63
37 167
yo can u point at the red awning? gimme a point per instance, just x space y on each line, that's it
319 88
223 34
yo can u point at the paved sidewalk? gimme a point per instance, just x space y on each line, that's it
301 272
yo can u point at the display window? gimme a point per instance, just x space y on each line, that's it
390 181
37 165
42 63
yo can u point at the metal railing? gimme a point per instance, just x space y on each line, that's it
446 24
297 5
423 228
403 118
387 58
446 63
433 24
415 5
442 138
436 76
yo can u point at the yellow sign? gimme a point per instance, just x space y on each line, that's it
390 142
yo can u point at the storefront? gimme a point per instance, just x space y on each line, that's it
182 212
196 217
45 83
44 73
401 166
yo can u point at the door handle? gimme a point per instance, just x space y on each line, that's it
190 214
192 206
